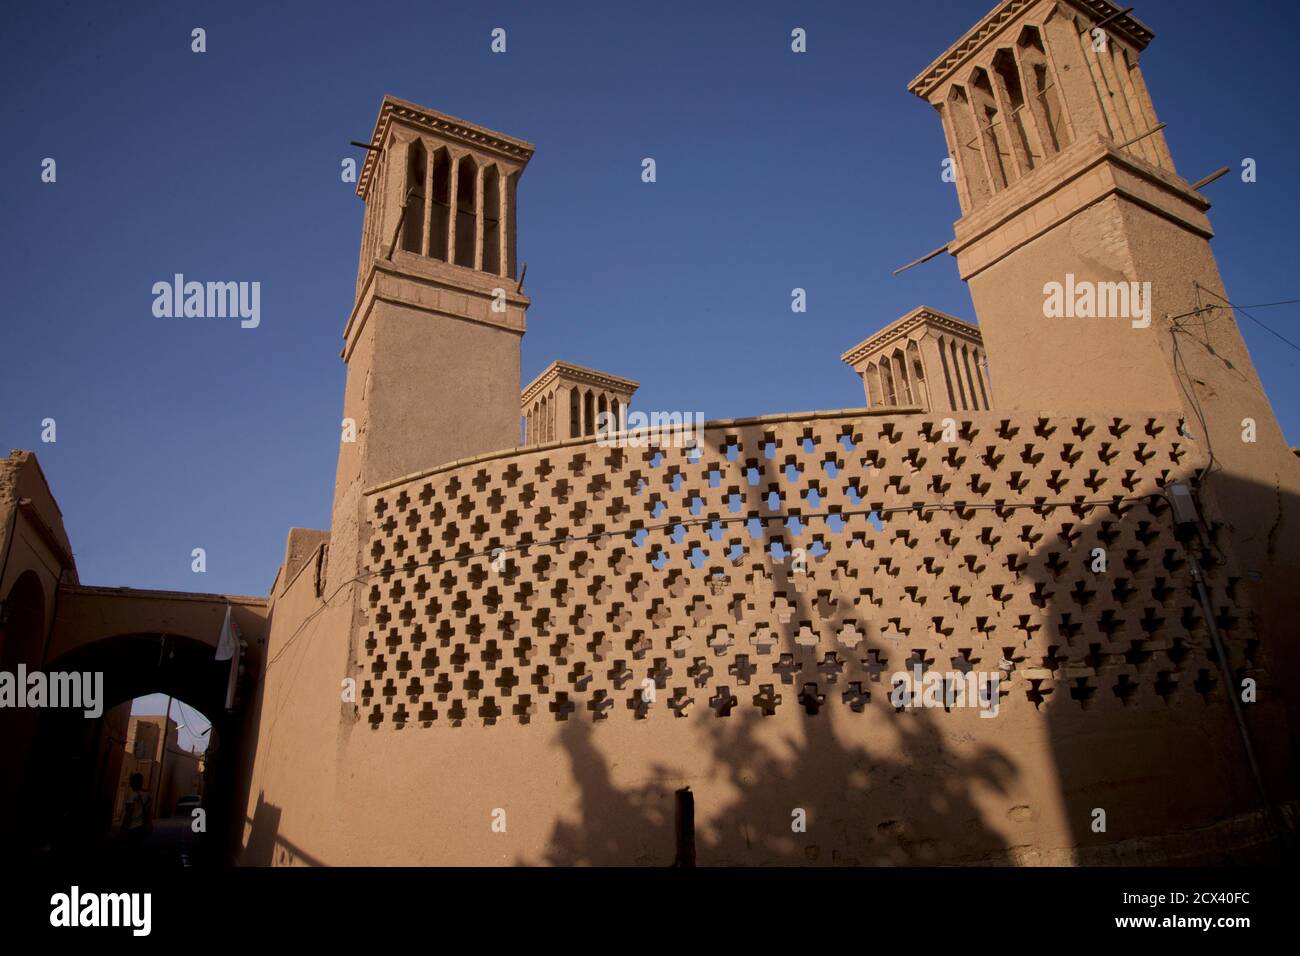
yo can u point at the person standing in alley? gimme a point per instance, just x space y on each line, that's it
137 818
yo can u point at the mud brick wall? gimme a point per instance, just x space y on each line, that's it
552 584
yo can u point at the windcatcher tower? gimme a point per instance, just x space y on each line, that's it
432 343
566 401
1062 172
928 359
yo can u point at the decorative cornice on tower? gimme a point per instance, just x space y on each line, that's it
1087 172
567 400
901 328
448 127
576 373
926 358
1131 29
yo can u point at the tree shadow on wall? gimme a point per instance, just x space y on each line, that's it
908 801
1137 711
904 798
1114 672
632 826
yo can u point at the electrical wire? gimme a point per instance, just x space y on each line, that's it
197 718
1242 310
1265 305
1184 377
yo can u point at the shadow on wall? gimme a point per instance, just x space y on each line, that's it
265 846
838 784
1115 669
1141 725
866 798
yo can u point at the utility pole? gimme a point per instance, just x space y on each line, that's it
162 761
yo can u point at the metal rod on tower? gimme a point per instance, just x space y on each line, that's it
1210 178
1154 129
925 258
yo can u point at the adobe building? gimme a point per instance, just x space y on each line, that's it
66 768
559 649
567 401
166 780
898 364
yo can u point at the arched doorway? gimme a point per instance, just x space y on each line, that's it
169 749
73 776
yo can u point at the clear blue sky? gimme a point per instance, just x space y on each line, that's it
775 170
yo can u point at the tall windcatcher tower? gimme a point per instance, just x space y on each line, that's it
432 343
1067 188
1061 171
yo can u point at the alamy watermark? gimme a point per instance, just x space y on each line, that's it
913 690
76 909
650 430
1085 299
72 690
179 299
